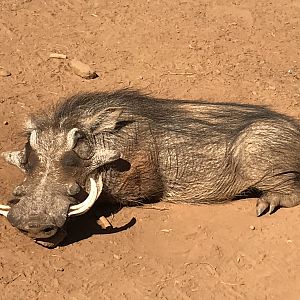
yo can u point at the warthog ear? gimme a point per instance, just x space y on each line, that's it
104 121
17 158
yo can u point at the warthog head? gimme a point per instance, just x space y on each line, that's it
62 179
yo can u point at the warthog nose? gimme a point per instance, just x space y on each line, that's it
38 230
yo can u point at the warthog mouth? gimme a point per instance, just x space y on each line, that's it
74 210
53 241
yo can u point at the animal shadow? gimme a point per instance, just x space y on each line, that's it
85 226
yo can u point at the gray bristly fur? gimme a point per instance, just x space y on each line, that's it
188 150
149 149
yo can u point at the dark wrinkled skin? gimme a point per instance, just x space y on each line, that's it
151 150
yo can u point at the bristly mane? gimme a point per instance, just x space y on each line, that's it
184 116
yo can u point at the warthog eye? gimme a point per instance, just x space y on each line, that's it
70 159
13 201
32 161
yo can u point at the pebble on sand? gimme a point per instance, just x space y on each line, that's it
58 55
83 70
4 73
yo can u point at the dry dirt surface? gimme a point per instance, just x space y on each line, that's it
245 51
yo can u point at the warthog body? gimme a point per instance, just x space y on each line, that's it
143 149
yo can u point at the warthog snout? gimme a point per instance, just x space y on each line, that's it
37 226
43 216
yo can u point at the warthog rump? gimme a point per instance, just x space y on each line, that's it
129 148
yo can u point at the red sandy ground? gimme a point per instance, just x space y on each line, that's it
246 51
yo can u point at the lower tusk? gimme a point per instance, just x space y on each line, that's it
4 209
83 207
3 213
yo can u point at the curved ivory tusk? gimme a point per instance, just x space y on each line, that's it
84 206
4 209
4 212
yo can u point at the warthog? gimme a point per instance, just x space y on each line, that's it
130 148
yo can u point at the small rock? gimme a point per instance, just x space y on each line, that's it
252 227
82 70
57 55
104 223
5 123
116 256
4 73
166 230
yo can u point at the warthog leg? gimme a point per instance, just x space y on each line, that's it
271 201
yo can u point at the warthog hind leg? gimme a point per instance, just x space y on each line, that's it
273 200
